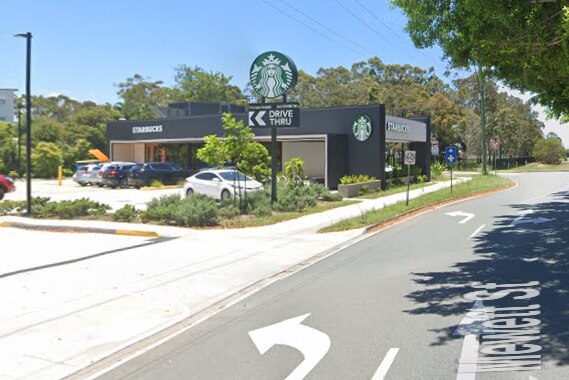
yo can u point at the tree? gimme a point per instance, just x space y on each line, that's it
523 43
197 85
549 151
140 97
237 147
46 157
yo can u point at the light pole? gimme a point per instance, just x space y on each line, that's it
19 107
28 37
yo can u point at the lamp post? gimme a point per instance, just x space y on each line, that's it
19 107
28 37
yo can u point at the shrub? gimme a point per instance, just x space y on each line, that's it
296 199
422 179
437 169
162 208
197 211
46 157
356 178
128 213
333 197
255 200
364 190
13 174
415 171
549 151
294 169
227 209
156 183
67 172
71 209
262 211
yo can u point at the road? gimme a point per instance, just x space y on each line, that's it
398 305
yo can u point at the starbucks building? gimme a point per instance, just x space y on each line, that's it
332 142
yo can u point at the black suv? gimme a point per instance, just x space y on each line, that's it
168 173
115 175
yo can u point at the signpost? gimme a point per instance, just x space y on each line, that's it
494 146
451 158
272 75
410 156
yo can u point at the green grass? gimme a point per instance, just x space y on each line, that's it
393 190
478 184
537 167
283 216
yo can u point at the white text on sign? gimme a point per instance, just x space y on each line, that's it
281 117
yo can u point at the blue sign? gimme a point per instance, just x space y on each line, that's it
451 156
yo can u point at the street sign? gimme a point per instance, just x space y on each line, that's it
451 156
435 148
280 115
273 74
494 144
410 156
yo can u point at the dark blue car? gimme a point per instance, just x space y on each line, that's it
168 173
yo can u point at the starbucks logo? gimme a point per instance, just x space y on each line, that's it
362 127
273 74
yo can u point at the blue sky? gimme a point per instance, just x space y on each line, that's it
82 48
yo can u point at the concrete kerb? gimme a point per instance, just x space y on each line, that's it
56 228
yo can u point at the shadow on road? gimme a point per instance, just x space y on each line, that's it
508 254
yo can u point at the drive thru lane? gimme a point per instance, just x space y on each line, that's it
391 305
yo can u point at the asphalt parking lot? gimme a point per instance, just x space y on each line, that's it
69 190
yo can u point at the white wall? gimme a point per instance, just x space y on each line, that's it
7 105
311 152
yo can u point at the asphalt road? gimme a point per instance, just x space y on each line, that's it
390 306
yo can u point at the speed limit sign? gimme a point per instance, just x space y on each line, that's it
410 157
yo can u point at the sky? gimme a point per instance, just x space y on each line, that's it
81 49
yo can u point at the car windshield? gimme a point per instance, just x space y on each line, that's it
234 176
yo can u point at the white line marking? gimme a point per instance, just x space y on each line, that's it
477 231
470 346
385 364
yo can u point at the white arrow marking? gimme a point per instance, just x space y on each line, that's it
520 219
385 364
467 216
313 344
259 118
251 123
471 327
477 231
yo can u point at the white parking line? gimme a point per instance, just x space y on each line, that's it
477 231
385 364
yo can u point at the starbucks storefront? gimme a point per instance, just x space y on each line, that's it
332 142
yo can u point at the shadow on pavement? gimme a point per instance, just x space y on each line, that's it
508 254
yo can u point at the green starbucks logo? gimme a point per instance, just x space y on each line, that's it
362 127
273 74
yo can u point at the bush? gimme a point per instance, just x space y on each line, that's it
549 151
262 211
296 199
422 179
46 157
227 209
197 211
415 171
294 169
128 213
67 172
156 183
255 200
71 209
13 174
437 169
163 208
356 178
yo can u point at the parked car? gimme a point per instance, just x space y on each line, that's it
114 174
6 186
168 173
220 184
83 174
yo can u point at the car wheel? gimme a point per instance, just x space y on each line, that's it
2 193
82 183
225 194
189 192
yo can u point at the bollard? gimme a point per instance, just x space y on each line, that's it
59 175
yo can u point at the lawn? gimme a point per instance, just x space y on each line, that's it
537 167
478 184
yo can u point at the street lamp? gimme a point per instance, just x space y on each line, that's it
28 37
19 107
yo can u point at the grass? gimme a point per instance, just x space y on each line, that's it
537 167
393 190
478 184
282 216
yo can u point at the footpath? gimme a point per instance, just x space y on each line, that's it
64 309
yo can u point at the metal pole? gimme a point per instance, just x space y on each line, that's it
483 120
29 122
451 178
408 182
19 139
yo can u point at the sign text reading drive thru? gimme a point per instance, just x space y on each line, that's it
274 115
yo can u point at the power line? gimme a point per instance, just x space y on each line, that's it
311 28
372 29
392 31
327 28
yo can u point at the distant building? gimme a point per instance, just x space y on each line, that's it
7 104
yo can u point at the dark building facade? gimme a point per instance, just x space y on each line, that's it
328 139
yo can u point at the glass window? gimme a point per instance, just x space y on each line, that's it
206 176
234 176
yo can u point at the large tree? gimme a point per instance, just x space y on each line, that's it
524 43
194 84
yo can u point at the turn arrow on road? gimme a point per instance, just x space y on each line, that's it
313 344
467 216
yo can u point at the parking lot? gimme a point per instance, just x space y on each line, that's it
69 190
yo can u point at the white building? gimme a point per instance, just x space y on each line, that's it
7 104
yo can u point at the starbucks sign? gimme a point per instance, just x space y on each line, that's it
272 74
362 127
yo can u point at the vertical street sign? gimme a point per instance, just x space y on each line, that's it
410 156
451 158
272 75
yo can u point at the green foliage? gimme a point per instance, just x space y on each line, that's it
46 157
140 96
197 85
421 179
13 174
549 151
296 199
356 178
256 200
227 209
156 183
46 130
416 171
197 211
67 172
437 169
294 168
249 156
14 207
128 213
162 209
71 209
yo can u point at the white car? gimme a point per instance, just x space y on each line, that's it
220 184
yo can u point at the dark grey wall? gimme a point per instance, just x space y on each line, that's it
423 150
338 159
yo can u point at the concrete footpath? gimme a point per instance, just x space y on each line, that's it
69 300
